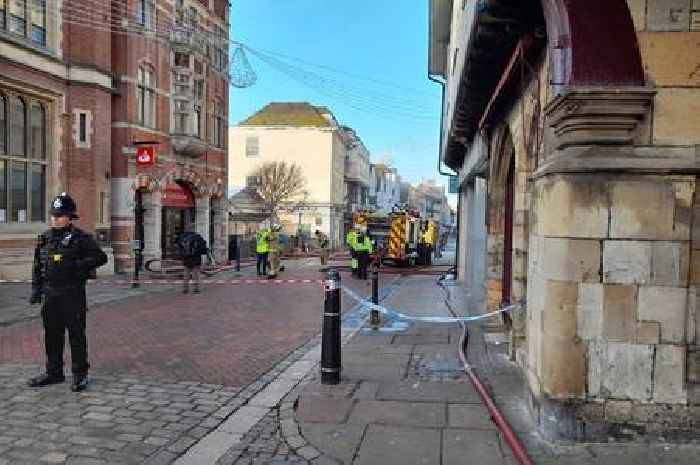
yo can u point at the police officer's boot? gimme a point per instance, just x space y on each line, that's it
45 379
80 383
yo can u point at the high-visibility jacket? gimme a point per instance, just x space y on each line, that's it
364 245
262 246
351 239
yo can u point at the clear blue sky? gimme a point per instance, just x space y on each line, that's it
384 40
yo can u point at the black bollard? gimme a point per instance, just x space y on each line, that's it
330 338
374 313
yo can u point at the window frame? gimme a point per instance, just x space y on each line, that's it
146 97
248 147
31 163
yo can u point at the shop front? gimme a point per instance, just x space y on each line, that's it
178 215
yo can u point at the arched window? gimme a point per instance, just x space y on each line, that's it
146 97
23 160
18 124
37 132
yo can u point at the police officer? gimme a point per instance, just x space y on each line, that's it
64 258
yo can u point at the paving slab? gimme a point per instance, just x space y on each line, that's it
341 442
325 410
373 372
418 391
399 445
421 339
471 447
469 416
398 413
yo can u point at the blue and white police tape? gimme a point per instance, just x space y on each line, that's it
393 314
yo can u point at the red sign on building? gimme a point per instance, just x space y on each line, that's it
145 156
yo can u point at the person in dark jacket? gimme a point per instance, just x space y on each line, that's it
191 246
65 257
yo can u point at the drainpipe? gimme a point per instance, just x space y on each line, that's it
439 161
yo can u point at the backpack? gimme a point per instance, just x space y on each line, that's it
193 245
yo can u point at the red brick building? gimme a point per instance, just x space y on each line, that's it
83 83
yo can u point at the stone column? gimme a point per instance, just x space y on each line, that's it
609 261
202 215
152 225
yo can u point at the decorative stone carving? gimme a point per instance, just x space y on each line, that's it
581 116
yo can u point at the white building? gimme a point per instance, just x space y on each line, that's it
384 186
304 134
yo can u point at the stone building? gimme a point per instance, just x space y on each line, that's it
356 176
384 186
83 83
309 136
575 129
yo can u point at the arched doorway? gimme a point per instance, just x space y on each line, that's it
178 215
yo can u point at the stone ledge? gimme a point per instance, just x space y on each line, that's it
597 115
632 160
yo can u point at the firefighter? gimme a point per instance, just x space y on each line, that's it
363 249
262 250
273 244
64 258
322 242
350 240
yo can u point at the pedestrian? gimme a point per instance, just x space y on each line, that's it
322 242
262 250
350 239
191 246
64 259
273 243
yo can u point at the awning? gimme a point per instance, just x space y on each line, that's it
177 196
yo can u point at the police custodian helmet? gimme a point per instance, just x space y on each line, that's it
63 205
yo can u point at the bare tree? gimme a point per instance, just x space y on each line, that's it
279 182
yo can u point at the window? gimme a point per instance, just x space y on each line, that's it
146 97
3 191
146 13
82 127
103 207
198 122
38 134
218 125
18 192
39 22
2 15
18 17
23 138
38 194
252 146
17 128
253 181
3 123
182 60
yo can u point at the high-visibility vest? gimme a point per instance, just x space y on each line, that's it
351 239
262 245
363 246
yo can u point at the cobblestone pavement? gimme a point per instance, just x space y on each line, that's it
166 372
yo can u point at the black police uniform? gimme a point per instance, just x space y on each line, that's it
63 260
